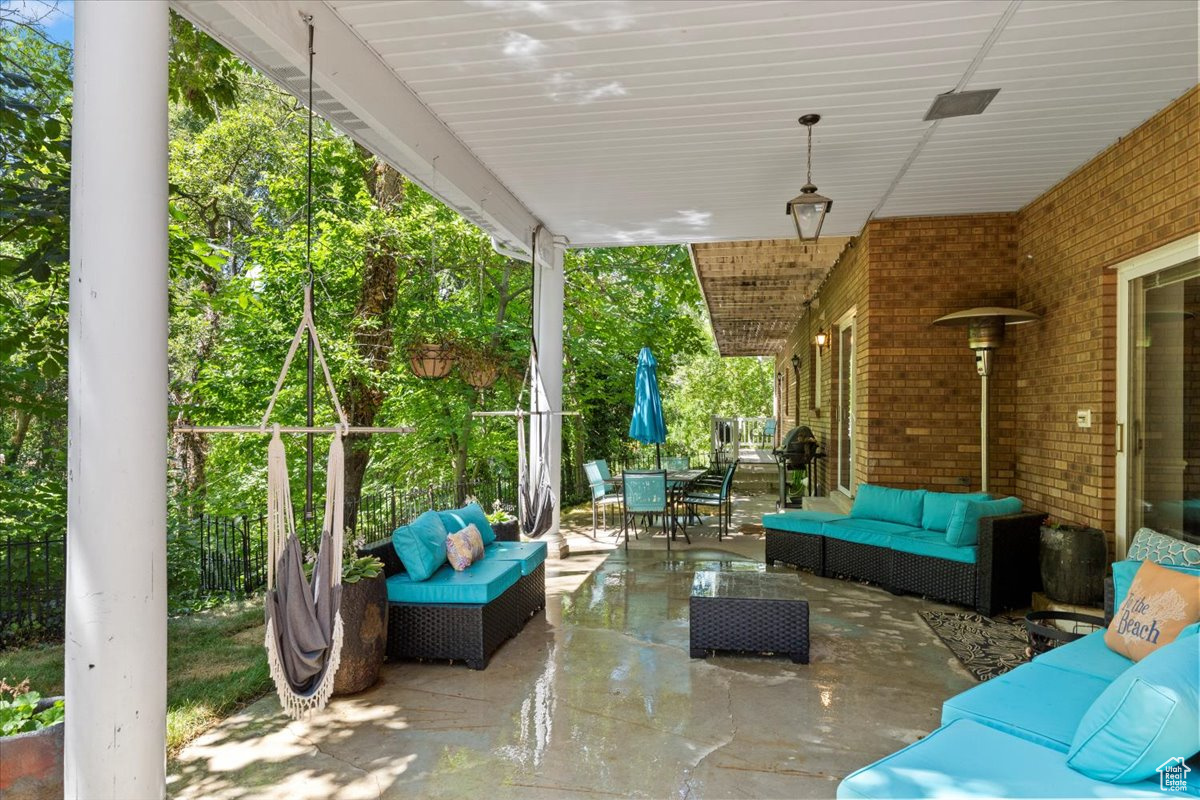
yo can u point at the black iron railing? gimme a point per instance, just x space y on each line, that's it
32 581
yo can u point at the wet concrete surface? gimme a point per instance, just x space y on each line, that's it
598 696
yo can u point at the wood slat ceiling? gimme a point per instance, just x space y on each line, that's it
755 290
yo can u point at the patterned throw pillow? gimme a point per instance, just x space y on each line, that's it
1159 604
464 548
1150 545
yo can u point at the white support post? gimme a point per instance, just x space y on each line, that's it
548 290
116 603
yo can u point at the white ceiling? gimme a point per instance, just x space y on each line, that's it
653 121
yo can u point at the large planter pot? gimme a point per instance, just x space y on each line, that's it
1073 560
507 531
431 359
31 764
364 635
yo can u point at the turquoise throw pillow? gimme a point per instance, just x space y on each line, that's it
470 514
883 503
963 529
421 545
1123 572
940 505
1146 716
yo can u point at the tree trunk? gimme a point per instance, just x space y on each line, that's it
373 335
23 421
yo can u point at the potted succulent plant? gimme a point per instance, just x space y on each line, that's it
503 523
1072 560
31 740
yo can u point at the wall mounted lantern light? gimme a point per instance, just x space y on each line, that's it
821 340
795 362
985 332
808 209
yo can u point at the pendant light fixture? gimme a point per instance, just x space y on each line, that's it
808 209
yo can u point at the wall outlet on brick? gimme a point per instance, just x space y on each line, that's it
1083 418
963 480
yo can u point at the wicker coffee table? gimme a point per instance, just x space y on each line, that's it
760 612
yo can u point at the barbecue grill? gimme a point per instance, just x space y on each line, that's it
799 450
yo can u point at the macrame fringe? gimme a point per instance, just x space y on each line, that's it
299 706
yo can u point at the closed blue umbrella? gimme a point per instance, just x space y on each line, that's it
647 425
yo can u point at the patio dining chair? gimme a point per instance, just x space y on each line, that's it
645 494
676 463
768 432
720 499
602 492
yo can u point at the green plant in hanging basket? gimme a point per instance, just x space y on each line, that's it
478 366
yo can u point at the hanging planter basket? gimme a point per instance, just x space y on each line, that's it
478 370
430 359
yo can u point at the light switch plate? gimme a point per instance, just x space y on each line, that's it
1083 418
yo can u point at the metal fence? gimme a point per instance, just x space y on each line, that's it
233 548
32 592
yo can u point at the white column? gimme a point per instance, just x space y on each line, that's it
116 615
548 289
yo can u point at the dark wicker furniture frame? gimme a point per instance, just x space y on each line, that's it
748 625
454 631
1004 575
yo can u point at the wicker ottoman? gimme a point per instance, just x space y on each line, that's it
760 612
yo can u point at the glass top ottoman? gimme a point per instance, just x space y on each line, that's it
760 612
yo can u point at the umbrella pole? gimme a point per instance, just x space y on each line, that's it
657 455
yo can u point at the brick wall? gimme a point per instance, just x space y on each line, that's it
923 425
1137 195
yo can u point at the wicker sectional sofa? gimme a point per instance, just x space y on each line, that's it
467 615
899 540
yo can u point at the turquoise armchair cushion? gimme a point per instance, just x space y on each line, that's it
470 514
529 555
901 506
421 545
1149 714
940 505
800 521
1123 572
480 583
1037 702
963 528
968 760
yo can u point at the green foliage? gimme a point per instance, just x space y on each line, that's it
19 710
363 567
706 384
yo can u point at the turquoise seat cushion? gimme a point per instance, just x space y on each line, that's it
1035 701
965 759
421 545
933 543
1089 655
480 583
530 555
866 531
940 505
963 528
800 521
1148 715
901 506
470 514
1123 572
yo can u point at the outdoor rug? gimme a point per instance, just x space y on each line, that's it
751 529
986 646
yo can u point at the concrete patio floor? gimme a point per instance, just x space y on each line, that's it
599 697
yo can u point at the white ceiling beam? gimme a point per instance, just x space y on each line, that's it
370 104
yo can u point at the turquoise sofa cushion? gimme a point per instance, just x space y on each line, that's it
421 545
963 528
1149 714
1123 572
965 759
470 514
866 531
1040 703
530 555
800 521
933 543
940 505
1089 655
480 583
901 506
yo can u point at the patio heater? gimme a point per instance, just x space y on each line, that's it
985 332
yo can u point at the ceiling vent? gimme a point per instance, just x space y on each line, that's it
960 104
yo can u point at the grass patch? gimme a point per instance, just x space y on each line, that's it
215 664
